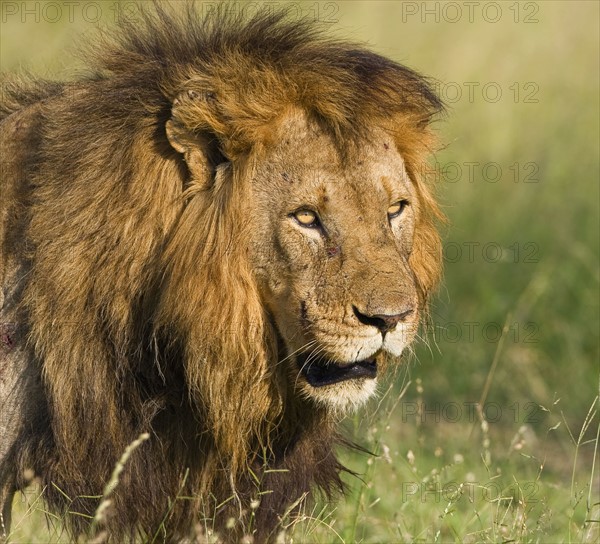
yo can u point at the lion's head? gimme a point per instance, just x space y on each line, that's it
333 230
307 247
330 244
231 237
331 247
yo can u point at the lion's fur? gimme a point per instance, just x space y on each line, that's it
139 305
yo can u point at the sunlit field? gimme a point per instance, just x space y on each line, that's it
489 432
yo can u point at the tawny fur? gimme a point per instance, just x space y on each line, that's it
129 302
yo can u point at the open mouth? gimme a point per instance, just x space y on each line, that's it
320 371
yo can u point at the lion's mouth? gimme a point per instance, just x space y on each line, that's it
320 371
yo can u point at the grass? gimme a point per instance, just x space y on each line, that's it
432 480
443 482
515 327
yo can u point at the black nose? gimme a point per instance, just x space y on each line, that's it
384 322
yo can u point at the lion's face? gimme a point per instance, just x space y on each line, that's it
331 253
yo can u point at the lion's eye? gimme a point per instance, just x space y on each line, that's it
397 208
307 218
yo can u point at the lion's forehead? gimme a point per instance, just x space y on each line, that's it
307 163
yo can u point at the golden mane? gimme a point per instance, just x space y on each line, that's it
139 279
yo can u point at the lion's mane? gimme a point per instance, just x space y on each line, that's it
141 309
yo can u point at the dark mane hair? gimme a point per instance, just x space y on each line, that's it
125 298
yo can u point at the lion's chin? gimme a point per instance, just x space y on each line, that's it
342 397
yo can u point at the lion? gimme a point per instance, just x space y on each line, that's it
222 236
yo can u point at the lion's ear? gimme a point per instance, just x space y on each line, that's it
195 149
200 148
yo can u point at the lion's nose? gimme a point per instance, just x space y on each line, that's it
384 322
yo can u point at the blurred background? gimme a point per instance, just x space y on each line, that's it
490 432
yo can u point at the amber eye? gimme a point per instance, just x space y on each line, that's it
306 218
397 208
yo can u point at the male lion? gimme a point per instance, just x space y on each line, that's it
220 237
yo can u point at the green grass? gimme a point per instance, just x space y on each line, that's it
446 482
438 481
527 473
